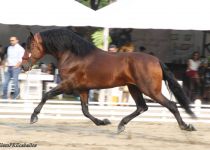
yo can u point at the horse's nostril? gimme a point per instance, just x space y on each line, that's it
25 67
21 67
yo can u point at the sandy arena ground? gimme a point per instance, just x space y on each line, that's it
84 135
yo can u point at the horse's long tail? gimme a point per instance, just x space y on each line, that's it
176 89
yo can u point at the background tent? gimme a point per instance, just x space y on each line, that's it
48 13
160 14
150 14
45 13
140 14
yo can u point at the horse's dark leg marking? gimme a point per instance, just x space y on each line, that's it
140 103
84 104
53 92
174 110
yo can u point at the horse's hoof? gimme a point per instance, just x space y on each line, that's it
121 128
34 118
106 122
102 122
189 127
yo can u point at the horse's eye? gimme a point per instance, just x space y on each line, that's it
32 45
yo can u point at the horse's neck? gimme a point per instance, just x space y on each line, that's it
67 56
100 51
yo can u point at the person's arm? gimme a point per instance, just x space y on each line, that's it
189 64
18 65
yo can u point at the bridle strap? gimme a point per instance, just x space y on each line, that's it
25 58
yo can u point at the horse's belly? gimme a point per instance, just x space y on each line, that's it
109 80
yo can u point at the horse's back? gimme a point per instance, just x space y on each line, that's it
143 57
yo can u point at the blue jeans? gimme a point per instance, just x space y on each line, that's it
11 73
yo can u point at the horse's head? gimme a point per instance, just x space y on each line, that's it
34 50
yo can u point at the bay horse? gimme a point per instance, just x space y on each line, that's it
82 67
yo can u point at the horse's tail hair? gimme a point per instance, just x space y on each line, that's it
176 89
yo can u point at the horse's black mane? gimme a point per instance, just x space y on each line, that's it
64 39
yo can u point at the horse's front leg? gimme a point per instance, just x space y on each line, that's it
84 103
53 92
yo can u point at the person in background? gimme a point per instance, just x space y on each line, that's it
14 56
112 48
127 47
51 68
142 49
193 65
43 67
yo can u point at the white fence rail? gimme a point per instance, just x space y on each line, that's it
57 109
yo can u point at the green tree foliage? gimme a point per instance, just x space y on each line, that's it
97 38
102 3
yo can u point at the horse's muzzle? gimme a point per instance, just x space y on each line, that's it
25 67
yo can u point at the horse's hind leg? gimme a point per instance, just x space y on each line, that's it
173 109
53 92
140 103
84 103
